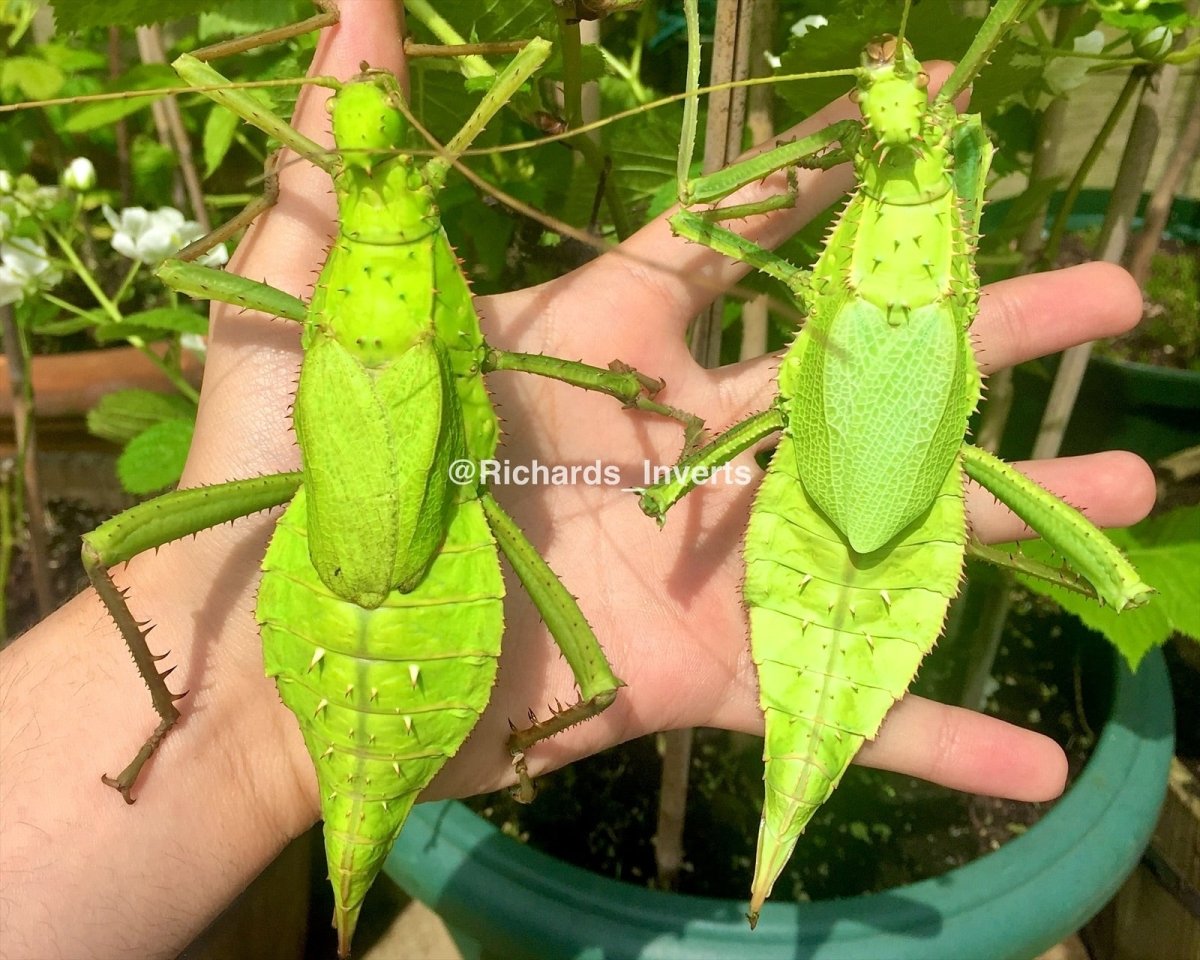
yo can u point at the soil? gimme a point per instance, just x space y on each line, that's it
66 522
878 831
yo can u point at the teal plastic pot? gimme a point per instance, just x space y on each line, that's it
502 899
1152 411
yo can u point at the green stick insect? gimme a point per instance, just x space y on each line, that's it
381 599
857 536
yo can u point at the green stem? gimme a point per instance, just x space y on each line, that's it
86 276
168 371
64 305
124 287
472 66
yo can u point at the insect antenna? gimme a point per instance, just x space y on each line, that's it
904 24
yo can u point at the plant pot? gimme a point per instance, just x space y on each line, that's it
503 899
67 385
1151 411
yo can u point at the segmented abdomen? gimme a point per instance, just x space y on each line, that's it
837 637
384 697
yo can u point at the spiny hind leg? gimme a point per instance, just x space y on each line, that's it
145 527
597 683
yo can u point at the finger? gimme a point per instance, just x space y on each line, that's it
1019 319
951 746
1038 314
969 751
1112 489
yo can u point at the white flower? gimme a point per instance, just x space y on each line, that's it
1064 74
804 24
194 342
80 175
152 237
6 182
24 270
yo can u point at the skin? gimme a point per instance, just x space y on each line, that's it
83 875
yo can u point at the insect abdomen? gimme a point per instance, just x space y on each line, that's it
836 636
384 697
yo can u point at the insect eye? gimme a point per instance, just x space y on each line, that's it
922 81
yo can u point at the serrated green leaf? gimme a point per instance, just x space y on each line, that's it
33 76
173 319
153 167
60 326
74 15
72 59
495 20
235 18
1172 15
122 415
154 459
219 127
106 112
153 325
1166 552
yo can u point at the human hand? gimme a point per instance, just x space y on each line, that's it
233 782
646 591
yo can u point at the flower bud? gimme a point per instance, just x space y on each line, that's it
1153 44
80 175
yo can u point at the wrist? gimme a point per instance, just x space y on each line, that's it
228 787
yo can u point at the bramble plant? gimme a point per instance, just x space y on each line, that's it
47 238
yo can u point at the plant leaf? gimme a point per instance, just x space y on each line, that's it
154 459
1166 552
122 415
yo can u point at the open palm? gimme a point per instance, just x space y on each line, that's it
663 603
233 783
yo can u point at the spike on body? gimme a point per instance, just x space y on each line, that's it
333 615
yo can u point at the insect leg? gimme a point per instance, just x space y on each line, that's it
658 499
598 684
1067 530
698 229
145 527
633 388
817 150
206 283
